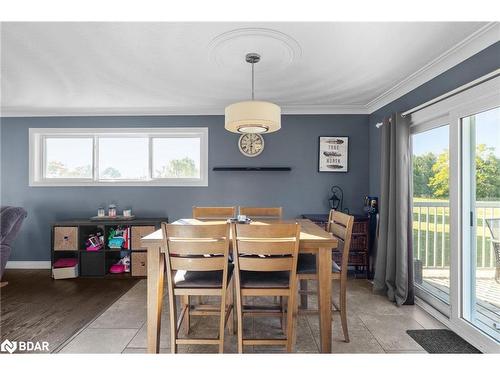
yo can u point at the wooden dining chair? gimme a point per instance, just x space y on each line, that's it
197 264
262 212
270 213
214 213
340 225
265 261
210 213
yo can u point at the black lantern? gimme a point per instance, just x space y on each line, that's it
337 198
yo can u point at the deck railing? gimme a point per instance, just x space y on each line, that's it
431 220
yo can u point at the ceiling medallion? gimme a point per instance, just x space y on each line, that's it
280 49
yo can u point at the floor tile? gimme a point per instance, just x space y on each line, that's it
390 331
143 351
100 341
375 326
359 342
140 339
425 319
122 314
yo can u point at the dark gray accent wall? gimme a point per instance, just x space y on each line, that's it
476 66
303 190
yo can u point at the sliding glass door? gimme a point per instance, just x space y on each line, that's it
431 215
456 211
481 220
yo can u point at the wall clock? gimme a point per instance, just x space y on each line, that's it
251 144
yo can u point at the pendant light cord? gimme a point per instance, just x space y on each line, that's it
252 81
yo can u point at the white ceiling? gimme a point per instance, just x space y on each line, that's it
198 68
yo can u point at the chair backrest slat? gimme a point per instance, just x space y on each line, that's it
277 230
199 231
266 264
265 247
197 247
197 264
262 212
338 230
214 213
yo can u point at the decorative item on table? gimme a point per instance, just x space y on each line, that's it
240 219
371 205
333 154
123 265
94 242
101 212
119 238
112 210
127 212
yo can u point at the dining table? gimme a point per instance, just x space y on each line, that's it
313 240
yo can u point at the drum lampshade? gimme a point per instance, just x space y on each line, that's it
253 117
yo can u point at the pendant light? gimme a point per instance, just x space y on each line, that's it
253 116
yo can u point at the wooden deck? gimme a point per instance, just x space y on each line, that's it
487 289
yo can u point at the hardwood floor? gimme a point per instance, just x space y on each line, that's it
36 308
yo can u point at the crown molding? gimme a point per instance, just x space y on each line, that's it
173 111
474 43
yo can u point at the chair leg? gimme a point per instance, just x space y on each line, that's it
222 321
230 305
186 300
343 309
283 313
239 314
173 322
295 318
290 324
303 297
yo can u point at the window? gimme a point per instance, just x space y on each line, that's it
123 158
119 157
176 157
69 158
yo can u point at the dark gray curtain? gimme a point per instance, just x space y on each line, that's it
393 265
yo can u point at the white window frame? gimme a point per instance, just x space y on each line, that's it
450 111
37 155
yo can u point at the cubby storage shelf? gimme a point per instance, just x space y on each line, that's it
69 236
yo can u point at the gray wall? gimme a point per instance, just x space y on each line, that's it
476 66
303 190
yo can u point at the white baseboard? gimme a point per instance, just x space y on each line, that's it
29 265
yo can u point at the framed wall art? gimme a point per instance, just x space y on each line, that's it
333 154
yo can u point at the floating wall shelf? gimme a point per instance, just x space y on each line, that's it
253 169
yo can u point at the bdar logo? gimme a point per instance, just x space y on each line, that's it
8 346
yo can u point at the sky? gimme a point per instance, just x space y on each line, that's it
436 140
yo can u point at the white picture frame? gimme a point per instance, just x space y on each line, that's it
333 154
